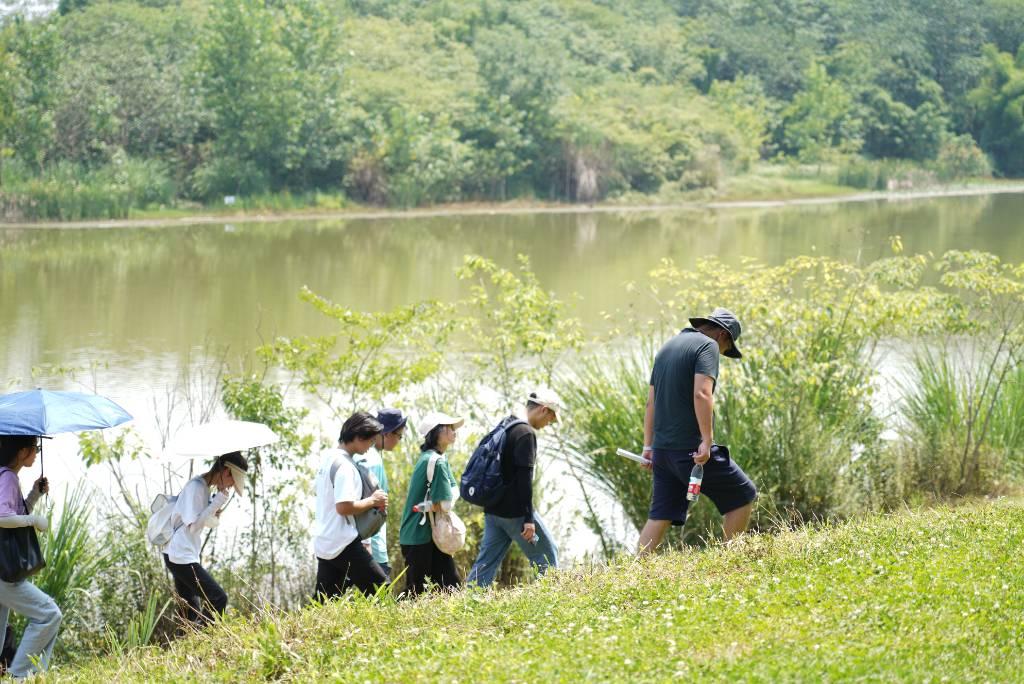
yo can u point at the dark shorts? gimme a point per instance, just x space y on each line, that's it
724 483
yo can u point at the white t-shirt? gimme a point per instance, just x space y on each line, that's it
192 503
333 532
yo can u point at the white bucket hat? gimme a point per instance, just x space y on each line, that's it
239 476
435 418
548 399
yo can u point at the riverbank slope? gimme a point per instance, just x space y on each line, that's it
929 595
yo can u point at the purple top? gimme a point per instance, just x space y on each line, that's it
11 500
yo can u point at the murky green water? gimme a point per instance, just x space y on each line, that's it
139 299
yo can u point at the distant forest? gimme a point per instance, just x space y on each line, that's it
412 102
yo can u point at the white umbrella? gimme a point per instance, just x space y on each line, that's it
221 437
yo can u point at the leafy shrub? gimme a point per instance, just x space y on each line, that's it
221 176
797 411
796 414
882 174
960 157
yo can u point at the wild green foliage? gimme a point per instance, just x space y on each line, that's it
34 53
798 407
72 558
999 103
605 400
371 356
507 335
411 103
960 399
878 599
75 562
270 78
141 627
820 122
803 413
517 330
279 481
70 192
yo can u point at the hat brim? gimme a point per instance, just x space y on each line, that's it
456 423
734 352
239 476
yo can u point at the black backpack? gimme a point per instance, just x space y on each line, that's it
481 482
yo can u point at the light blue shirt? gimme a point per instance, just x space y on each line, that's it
378 542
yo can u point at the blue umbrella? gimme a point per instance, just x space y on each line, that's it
42 412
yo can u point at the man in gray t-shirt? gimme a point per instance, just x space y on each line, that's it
679 430
686 356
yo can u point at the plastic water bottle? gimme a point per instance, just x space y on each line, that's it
696 477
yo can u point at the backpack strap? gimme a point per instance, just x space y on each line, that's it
335 466
431 464
512 422
334 472
516 420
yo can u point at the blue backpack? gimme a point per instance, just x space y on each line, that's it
481 482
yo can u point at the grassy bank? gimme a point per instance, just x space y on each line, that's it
934 595
747 191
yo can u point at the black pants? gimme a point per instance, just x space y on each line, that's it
426 561
200 594
354 566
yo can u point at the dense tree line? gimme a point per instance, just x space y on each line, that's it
405 102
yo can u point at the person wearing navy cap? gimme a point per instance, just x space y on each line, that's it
394 428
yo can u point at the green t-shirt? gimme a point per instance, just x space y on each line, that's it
440 490
675 420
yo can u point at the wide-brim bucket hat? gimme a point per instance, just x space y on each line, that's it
239 477
726 320
391 419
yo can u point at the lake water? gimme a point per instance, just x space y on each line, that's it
143 302
142 299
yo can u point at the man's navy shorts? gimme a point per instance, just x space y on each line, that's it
724 483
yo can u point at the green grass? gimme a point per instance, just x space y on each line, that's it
933 595
777 182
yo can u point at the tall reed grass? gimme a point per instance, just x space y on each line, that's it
70 192
73 559
966 435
